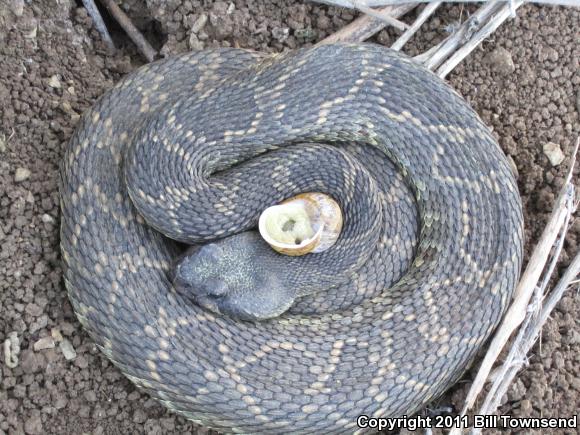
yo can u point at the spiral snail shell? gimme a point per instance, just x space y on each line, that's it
306 223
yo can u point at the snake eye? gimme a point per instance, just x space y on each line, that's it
306 223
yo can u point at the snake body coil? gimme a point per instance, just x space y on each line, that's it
419 278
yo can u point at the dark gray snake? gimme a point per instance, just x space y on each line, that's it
380 324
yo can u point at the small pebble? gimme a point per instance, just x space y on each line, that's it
280 33
21 174
17 7
55 333
46 218
44 343
32 33
194 42
67 350
54 82
554 153
66 107
199 23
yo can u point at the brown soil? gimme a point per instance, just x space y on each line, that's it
53 65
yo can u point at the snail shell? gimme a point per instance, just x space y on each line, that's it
306 223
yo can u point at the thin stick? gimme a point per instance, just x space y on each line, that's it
526 338
425 13
95 15
374 3
526 286
507 10
144 47
437 55
365 26
572 272
535 319
383 17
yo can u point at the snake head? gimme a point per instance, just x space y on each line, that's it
236 277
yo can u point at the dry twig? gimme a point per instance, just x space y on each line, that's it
436 55
505 11
95 15
423 16
446 55
144 47
365 26
356 4
383 17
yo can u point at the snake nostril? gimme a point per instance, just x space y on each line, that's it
216 288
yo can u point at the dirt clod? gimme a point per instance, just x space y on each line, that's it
501 61
33 424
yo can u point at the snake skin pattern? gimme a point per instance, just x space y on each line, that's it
441 240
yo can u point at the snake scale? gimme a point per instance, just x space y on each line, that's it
425 188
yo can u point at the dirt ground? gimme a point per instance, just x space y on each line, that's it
524 82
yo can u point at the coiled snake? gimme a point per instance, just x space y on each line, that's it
427 261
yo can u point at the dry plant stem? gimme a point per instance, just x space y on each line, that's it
517 311
144 47
526 338
436 55
425 13
506 11
383 17
376 3
571 273
93 12
480 25
365 26
536 317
